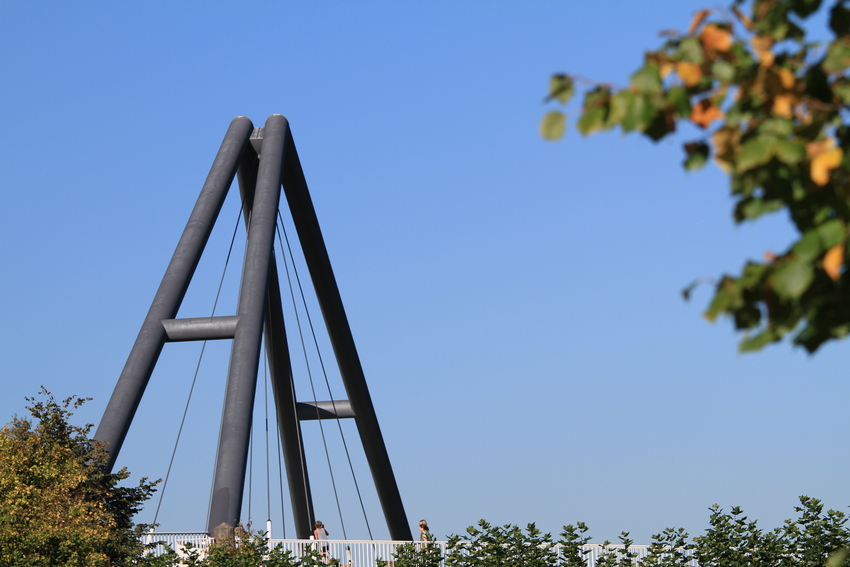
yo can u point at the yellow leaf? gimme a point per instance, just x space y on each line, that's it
697 20
783 105
690 73
787 78
762 46
824 163
665 69
704 113
717 38
833 260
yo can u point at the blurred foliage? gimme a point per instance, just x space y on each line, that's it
773 109
57 505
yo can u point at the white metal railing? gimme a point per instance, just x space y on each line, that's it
356 553
176 541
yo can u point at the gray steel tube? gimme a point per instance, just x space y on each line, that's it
235 432
140 364
332 409
200 328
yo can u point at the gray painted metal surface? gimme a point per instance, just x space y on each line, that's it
200 328
334 409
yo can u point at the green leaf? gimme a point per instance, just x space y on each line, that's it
592 120
691 50
808 247
758 341
755 152
793 279
697 155
751 208
648 78
595 113
841 88
620 104
553 125
561 87
830 233
638 113
789 152
726 296
837 56
779 127
723 71
679 101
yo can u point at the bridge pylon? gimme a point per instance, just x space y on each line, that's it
264 160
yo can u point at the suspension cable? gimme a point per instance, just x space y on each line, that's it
266 403
195 376
301 456
310 374
250 469
327 382
280 477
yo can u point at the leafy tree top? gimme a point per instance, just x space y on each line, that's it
773 109
57 505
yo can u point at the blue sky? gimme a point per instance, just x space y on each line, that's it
515 303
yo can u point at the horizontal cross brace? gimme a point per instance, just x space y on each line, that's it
336 409
200 328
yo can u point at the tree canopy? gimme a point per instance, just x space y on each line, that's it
57 505
772 106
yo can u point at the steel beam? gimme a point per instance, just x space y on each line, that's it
334 409
200 328
140 364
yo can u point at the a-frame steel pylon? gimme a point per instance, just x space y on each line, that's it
264 159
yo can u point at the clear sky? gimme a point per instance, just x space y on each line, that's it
516 303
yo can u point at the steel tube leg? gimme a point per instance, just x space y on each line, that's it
327 292
140 364
244 356
283 388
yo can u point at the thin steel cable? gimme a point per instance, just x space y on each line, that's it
250 469
280 477
195 377
328 385
309 372
279 445
266 400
